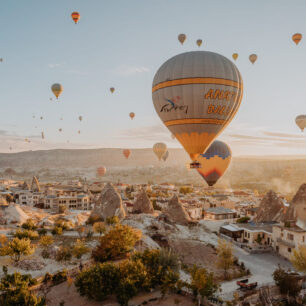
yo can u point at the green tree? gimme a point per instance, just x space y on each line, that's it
298 258
32 235
225 256
29 225
46 241
62 208
118 242
57 231
17 248
99 227
64 254
79 249
112 220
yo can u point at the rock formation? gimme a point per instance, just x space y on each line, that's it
297 209
271 208
176 213
25 186
35 187
109 204
143 204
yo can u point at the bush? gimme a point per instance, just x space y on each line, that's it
79 249
93 219
45 253
42 231
62 208
63 224
59 277
29 234
112 220
29 225
45 241
57 231
243 220
64 253
118 242
89 234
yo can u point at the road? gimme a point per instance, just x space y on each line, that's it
261 266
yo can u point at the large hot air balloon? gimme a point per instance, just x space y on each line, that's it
165 156
235 56
126 153
297 37
253 58
214 162
197 94
101 171
159 149
57 89
75 16
132 115
80 118
199 42
181 38
301 121
112 89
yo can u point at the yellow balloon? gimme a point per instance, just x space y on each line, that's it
112 89
199 42
132 115
253 58
196 95
57 89
235 56
159 149
80 118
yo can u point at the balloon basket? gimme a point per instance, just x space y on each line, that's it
195 165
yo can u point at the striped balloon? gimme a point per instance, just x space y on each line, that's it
214 162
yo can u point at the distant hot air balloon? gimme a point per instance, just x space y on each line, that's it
197 94
235 56
41 118
112 89
50 99
1 59
159 149
199 42
60 130
61 118
181 38
165 156
101 171
75 16
214 162
126 153
57 89
132 115
253 58
42 135
301 121
80 118
79 132
297 37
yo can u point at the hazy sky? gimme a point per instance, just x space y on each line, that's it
122 43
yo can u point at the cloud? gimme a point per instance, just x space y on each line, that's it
126 70
282 135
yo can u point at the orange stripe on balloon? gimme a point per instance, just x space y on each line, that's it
188 81
195 121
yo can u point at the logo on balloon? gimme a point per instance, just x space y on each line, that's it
172 106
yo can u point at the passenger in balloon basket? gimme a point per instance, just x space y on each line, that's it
195 165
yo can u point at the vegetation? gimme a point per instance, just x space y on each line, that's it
112 220
225 256
29 225
243 220
144 271
99 227
17 248
46 241
185 190
64 253
57 230
93 219
62 208
298 258
116 243
79 249
15 290
287 282
32 235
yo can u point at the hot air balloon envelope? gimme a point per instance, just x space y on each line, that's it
181 38
297 37
253 58
101 171
57 89
75 17
301 121
126 153
159 149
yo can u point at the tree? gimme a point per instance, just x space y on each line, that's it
64 253
225 256
79 249
202 282
17 247
57 231
298 258
32 235
62 208
118 242
81 230
112 220
29 225
46 241
99 227
287 282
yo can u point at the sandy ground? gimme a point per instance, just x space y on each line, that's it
68 294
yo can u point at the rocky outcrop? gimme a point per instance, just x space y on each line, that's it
297 209
35 187
25 186
143 204
109 204
271 208
176 213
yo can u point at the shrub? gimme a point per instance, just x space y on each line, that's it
89 234
243 220
63 224
42 231
29 225
79 249
118 242
59 277
16 248
62 208
32 235
112 220
99 227
93 219
45 253
45 241
57 231
64 253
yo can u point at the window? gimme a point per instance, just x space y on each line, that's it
290 236
289 250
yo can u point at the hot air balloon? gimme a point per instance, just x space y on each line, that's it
126 153
159 149
60 130
165 156
75 16
132 115
1 59
50 99
196 95
253 58
112 89
80 118
199 42
42 135
61 118
301 121
101 171
41 118
79 132
235 56
297 37
214 162
181 38
57 89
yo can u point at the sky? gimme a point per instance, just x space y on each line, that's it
122 44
